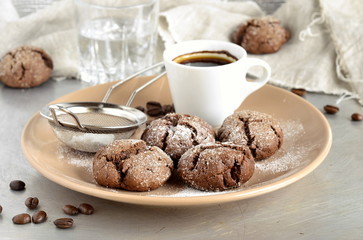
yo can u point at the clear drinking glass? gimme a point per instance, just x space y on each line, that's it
115 38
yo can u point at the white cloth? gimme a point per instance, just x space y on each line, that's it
8 12
344 19
308 59
204 20
323 55
52 29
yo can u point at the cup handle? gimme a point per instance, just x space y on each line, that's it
256 81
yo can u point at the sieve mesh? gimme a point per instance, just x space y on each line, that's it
87 141
97 119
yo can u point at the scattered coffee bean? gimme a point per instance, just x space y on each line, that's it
22 218
153 104
32 202
63 223
299 91
330 109
141 108
86 208
39 217
1 209
154 109
17 185
154 112
357 117
70 210
168 108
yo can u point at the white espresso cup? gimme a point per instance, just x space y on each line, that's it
211 92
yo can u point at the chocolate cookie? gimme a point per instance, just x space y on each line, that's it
258 36
259 131
131 165
216 166
25 67
176 133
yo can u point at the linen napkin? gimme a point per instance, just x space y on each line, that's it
344 19
294 65
204 20
308 60
324 34
8 12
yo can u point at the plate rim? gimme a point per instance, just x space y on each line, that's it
222 197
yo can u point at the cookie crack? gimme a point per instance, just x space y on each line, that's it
195 161
194 133
48 62
22 75
197 155
164 141
123 174
250 138
13 61
225 183
235 170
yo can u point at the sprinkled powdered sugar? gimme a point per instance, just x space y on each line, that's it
76 158
290 154
191 192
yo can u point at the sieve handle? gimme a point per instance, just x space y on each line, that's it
109 91
133 95
55 107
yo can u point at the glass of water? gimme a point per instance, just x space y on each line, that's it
115 38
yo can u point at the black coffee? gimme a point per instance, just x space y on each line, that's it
206 58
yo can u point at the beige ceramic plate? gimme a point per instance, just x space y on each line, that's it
307 140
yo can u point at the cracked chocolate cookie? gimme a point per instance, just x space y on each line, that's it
176 133
259 36
25 67
131 165
216 166
259 131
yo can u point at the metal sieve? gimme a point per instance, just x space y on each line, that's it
88 126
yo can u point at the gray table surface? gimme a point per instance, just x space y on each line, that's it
326 204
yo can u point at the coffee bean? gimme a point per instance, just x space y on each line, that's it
153 104
154 109
168 108
86 208
22 218
39 217
17 185
1 209
141 108
357 117
330 109
154 112
32 202
299 91
63 223
70 210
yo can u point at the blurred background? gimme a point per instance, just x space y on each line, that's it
26 7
